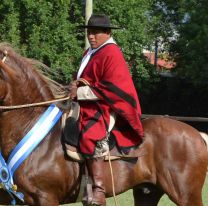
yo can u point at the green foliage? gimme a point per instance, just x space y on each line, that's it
44 30
9 22
190 50
47 31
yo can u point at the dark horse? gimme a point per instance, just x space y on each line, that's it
174 156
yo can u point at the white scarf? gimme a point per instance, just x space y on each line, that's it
86 58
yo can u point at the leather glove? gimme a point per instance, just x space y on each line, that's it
73 89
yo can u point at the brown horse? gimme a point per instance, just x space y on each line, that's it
173 158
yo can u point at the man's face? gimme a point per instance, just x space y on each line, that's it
97 37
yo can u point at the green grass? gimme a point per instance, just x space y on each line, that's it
126 199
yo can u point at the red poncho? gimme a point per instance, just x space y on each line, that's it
110 79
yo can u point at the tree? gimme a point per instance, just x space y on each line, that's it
45 30
191 49
189 20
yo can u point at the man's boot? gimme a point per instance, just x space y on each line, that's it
96 168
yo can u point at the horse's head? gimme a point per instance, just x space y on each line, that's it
21 83
20 80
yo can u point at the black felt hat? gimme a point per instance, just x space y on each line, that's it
99 21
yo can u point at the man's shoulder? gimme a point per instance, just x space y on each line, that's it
111 48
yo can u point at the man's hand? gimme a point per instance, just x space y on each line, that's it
73 89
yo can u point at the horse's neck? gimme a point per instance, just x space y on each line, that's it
15 124
24 85
30 90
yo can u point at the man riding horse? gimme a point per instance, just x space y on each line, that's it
108 101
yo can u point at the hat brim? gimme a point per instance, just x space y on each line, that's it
100 27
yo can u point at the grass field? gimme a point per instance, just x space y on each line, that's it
126 199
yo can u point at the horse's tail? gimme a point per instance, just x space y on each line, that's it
205 138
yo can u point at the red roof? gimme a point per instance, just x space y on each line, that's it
161 63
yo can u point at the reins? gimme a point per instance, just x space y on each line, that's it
112 179
35 104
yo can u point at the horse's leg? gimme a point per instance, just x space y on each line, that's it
180 160
44 199
182 189
148 195
47 202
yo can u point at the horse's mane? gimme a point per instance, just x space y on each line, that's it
32 67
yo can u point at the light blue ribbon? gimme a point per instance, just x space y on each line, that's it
24 148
